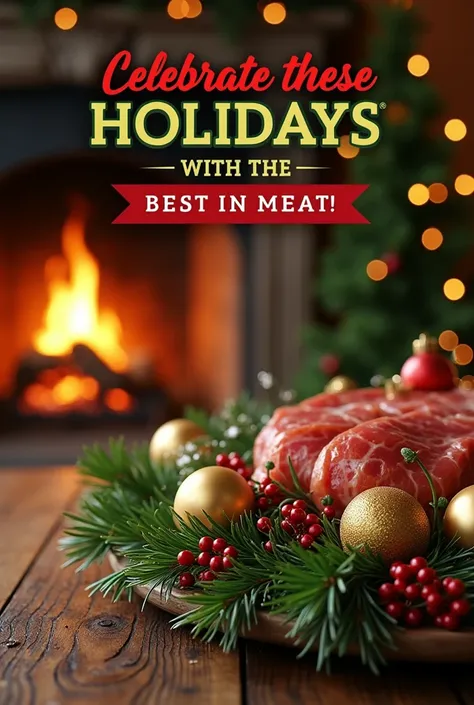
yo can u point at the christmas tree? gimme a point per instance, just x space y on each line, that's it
380 285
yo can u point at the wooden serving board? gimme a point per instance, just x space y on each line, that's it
433 645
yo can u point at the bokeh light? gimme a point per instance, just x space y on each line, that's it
346 149
418 65
65 18
195 9
463 354
418 194
455 130
467 382
438 193
377 270
274 13
454 289
432 238
448 340
178 9
464 184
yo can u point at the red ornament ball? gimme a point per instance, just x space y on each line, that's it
427 369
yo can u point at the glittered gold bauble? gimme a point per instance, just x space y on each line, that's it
340 384
459 517
220 492
171 437
389 521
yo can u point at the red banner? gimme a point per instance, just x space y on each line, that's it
157 203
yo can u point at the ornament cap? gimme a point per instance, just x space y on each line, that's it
425 344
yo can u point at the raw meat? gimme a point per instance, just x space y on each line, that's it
369 456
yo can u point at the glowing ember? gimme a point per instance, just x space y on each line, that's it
73 315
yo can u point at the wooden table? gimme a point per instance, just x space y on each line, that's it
58 647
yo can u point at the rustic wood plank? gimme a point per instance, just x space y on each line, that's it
74 650
31 502
274 677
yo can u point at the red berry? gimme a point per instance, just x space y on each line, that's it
315 530
446 582
207 576
297 516
437 584
311 519
413 591
205 544
186 580
393 568
227 563
231 551
271 490
426 576
299 504
434 604
418 562
286 510
329 512
395 609
264 524
399 585
438 620
236 462
222 460
185 558
387 592
201 575
403 572
413 617
218 545
246 473
428 590
306 540
216 564
286 526
455 587
460 607
268 546
263 503
451 621
265 482
204 559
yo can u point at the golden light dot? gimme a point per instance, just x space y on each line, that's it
377 270
448 340
438 193
195 9
467 382
418 194
463 354
178 9
346 149
464 184
65 18
454 289
418 65
274 13
432 238
455 130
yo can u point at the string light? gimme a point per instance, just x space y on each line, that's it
464 184
377 270
178 9
448 340
432 238
274 13
438 193
454 289
418 194
346 149
65 18
418 65
455 130
463 354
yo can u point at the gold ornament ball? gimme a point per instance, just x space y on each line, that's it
389 521
459 517
340 384
171 437
220 492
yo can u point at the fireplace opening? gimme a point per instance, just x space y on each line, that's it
103 326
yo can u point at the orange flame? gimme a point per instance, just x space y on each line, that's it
73 315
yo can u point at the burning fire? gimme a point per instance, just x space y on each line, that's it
73 317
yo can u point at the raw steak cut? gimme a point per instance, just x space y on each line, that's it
440 403
352 396
369 456
302 433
